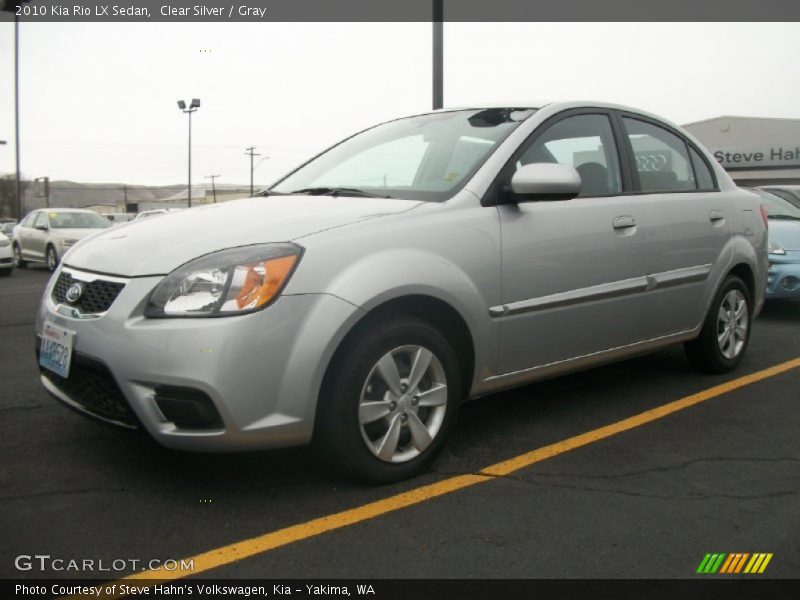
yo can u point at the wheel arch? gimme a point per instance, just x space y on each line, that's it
434 311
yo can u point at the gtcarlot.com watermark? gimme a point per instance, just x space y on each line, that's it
45 563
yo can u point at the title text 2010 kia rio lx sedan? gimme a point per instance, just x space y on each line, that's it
427 260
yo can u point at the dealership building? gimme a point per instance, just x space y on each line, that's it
754 151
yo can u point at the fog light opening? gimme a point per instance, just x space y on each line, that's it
790 283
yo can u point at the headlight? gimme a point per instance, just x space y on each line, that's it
776 248
66 242
228 282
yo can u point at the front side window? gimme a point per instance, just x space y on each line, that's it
427 157
40 220
660 158
585 142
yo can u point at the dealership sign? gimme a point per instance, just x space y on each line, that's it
749 157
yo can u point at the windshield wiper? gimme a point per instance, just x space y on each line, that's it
337 191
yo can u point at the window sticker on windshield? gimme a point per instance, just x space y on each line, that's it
52 215
452 176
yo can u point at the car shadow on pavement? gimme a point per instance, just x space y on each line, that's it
787 311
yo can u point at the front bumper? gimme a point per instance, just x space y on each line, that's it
261 371
783 277
6 257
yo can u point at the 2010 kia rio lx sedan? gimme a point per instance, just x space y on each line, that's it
426 260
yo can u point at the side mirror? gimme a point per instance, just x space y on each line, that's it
545 181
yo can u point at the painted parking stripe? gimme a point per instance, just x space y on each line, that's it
237 551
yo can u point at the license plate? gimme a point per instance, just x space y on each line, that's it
56 350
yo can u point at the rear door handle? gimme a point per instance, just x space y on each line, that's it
716 215
624 222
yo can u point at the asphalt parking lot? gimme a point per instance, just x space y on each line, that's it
722 475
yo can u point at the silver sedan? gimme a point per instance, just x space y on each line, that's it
421 262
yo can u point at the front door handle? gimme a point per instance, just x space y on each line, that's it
624 222
716 215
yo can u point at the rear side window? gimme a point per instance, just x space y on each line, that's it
585 142
661 158
702 174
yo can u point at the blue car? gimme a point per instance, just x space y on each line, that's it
783 278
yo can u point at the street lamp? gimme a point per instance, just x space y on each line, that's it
192 107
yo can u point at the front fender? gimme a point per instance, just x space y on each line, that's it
390 274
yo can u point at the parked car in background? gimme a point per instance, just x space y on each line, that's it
783 278
790 193
6 256
117 218
45 235
155 212
7 228
426 260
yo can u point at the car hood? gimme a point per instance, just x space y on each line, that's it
156 246
785 233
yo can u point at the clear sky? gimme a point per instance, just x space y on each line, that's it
99 100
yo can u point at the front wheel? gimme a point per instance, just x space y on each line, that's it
726 330
389 400
18 260
51 259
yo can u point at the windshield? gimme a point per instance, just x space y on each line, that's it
778 208
7 227
788 195
427 157
76 220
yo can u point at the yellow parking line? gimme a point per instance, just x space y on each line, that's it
231 553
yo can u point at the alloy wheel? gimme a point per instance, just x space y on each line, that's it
733 321
403 403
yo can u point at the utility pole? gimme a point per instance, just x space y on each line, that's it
438 54
251 154
213 189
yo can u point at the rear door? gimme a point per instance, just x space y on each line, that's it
574 271
688 223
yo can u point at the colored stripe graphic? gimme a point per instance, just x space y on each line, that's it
733 563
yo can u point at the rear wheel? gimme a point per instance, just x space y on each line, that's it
18 261
5 272
726 331
389 401
51 258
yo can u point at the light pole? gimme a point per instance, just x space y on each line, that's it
192 107
213 189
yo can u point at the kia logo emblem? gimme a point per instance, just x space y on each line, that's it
74 292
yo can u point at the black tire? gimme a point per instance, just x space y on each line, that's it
705 353
18 262
51 258
339 435
6 272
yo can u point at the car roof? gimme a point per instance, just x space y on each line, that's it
64 210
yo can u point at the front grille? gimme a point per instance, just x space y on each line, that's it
92 385
97 296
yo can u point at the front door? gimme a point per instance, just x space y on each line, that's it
574 271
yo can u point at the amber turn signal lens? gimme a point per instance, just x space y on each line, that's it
263 281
